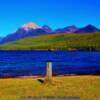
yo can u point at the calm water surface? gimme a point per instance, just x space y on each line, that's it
14 63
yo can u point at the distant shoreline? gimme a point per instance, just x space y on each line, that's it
55 50
43 76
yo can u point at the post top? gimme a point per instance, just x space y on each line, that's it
49 61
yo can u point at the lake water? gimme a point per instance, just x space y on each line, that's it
13 63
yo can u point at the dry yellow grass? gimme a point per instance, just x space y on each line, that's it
86 87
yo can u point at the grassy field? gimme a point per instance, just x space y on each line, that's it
57 42
85 87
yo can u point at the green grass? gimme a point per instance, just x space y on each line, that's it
57 42
86 87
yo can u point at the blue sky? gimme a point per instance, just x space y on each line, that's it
55 13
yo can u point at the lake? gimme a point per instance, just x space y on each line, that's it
20 63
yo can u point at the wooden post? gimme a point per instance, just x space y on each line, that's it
49 71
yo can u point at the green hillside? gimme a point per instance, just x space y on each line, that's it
57 42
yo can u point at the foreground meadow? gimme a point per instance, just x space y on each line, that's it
85 87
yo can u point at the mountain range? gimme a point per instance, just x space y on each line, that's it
32 29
